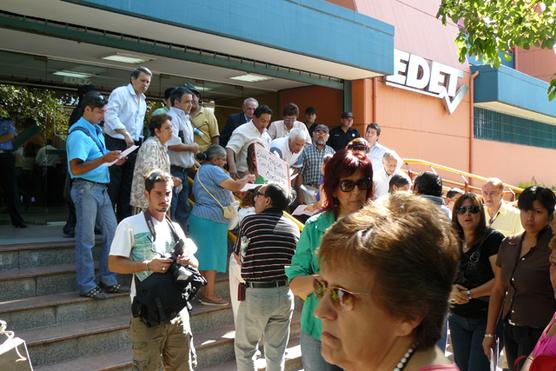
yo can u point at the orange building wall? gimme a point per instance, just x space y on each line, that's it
419 126
514 163
327 101
540 63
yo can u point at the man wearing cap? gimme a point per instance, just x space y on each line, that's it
312 158
88 164
123 127
341 135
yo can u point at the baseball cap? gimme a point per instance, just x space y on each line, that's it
346 115
321 127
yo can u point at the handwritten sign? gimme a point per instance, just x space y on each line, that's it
272 168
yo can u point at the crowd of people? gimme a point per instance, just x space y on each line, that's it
430 260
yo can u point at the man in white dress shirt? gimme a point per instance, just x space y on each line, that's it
377 150
123 127
181 149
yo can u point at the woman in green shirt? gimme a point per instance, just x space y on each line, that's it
348 179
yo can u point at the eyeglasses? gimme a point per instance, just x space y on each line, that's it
472 209
363 184
260 194
341 298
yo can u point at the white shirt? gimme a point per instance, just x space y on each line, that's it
281 148
277 129
506 221
240 140
125 111
376 153
381 182
180 123
133 240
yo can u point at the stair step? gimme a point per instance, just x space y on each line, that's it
49 310
66 343
60 278
121 360
39 254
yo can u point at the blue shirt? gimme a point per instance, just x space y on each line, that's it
125 111
87 148
205 206
7 127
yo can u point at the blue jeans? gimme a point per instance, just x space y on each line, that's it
91 203
180 200
467 342
311 357
265 312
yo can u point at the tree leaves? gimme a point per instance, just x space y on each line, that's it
490 28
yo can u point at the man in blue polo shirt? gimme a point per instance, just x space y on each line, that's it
88 161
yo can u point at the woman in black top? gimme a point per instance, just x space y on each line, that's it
470 292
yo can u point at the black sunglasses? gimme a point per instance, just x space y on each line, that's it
347 185
472 209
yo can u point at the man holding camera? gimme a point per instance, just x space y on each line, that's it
152 248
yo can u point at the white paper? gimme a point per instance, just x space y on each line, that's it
494 357
249 186
124 154
302 209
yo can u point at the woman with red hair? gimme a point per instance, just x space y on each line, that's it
348 179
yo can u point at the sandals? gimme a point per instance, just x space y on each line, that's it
95 293
113 289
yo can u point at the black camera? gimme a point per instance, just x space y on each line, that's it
180 273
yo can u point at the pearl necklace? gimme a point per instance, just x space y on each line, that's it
403 361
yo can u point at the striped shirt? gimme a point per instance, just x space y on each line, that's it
266 243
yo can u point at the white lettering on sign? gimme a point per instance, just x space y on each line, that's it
272 167
420 75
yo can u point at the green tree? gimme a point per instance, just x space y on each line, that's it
490 28
46 107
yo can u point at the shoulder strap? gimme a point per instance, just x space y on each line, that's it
205 188
150 225
79 128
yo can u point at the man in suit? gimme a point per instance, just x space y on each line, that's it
237 119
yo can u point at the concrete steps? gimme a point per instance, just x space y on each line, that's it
66 332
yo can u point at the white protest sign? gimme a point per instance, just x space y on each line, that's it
272 168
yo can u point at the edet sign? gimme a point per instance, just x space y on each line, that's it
417 74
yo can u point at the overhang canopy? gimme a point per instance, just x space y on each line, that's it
514 93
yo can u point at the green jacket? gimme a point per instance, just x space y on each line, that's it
305 263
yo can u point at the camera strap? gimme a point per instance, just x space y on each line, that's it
150 225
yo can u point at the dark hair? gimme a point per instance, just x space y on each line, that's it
452 192
178 93
291 109
94 99
136 72
480 232
262 109
193 90
375 126
398 180
310 111
278 196
156 176
84 89
248 199
213 151
343 164
168 93
412 252
537 193
251 164
157 121
358 144
428 183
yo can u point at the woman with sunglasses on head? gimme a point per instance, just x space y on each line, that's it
471 289
386 274
347 187
522 296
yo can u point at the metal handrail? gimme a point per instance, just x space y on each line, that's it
463 174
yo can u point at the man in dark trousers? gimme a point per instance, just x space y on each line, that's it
237 119
341 135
